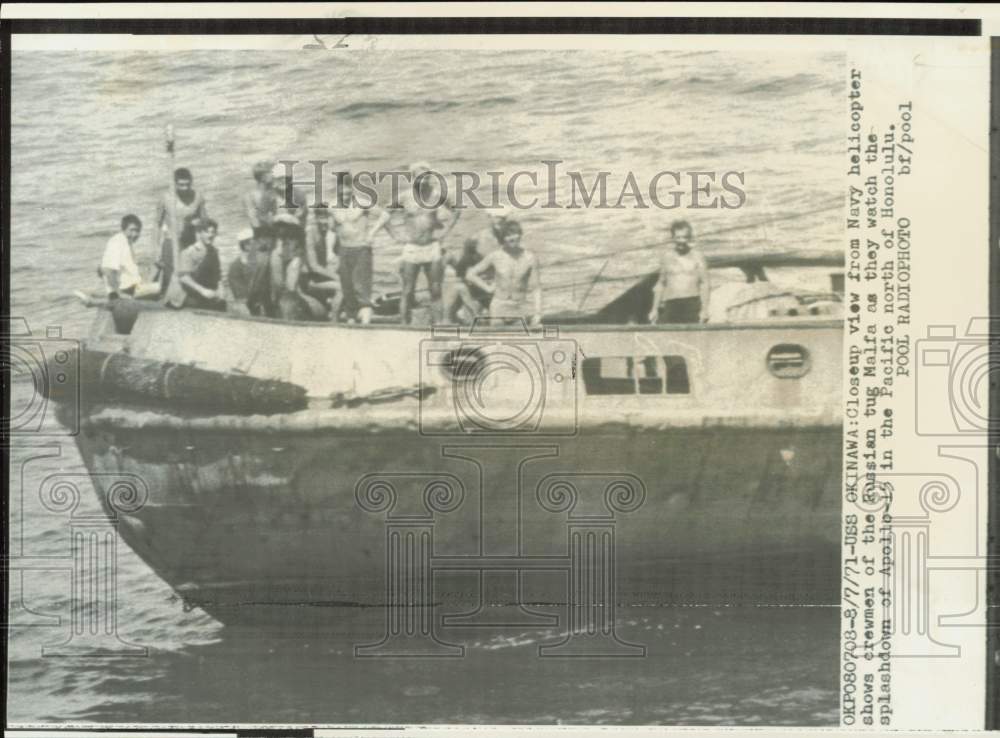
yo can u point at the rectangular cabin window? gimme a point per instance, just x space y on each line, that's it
608 375
649 375
677 376
629 375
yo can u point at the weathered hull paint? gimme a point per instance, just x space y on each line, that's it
247 525
727 494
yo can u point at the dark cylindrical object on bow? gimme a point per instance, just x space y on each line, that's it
118 376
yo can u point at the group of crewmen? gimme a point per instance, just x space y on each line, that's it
317 263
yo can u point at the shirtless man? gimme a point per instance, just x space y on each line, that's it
488 237
261 203
286 191
354 228
185 206
517 281
681 294
463 301
420 229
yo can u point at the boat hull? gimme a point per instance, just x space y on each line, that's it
655 466
280 527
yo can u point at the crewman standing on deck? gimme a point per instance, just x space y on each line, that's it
516 289
185 207
261 203
291 199
354 228
420 223
682 291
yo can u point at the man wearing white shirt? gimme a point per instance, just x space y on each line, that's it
118 266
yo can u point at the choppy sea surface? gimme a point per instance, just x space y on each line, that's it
87 147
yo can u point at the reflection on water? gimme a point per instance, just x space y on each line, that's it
730 665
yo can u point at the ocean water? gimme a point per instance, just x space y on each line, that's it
87 147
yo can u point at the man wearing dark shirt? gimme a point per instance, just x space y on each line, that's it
247 276
196 284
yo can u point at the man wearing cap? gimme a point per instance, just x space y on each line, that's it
247 277
420 224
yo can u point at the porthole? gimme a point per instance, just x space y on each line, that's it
788 361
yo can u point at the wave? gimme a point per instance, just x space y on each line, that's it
211 118
787 85
692 82
491 101
366 109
